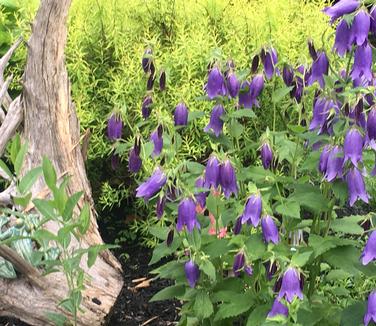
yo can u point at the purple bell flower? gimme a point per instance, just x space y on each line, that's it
157 139
170 237
360 28
343 7
227 179
216 84
321 110
266 155
320 67
248 270
146 106
323 163
356 186
334 164
270 269
290 287
134 160
147 60
114 127
278 308
353 146
162 80
369 251
238 265
371 124
232 85
252 210
245 98
215 122
371 309
288 75
343 38
187 215
357 115
212 172
269 229
192 273
312 50
160 206
238 225
181 115
269 60
362 62
256 87
373 20
201 196
152 185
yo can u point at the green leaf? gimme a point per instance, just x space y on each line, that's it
159 232
64 235
299 259
208 268
195 115
45 208
203 307
49 173
84 219
348 225
57 319
20 159
280 93
94 251
345 258
162 250
310 197
258 315
169 293
321 245
289 208
5 168
353 315
236 129
70 205
15 148
22 200
236 307
242 113
29 179
195 168
42 235
336 274
255 246
217 247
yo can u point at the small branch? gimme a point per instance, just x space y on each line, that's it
10 124
3 94
6 196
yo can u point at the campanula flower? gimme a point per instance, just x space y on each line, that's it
266 155
238 225
212 172
161 201
269 59
343 7
353 146
114 127
334 165
371 124
252 210
232 84
343 38
152 185
248 270
360 28
255 63
216 123
192 273
157 139
238 265
269 229
312 50
278 308
369 251
147 60
162 80
290 287
181 115
134 160
323 163
320 67
216 84
146 106
373 20
187 215
362 62
201 196
288 75
170 238
371 309
227 179
270 269
356 186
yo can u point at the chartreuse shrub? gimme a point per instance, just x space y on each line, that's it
256 230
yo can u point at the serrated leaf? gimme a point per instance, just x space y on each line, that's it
289 208
195 115
280 93
348 225
208 268
238 306
29 179
255 246
49 173
258 315
169 293
353 315
203 307
248 113
299 259
159 232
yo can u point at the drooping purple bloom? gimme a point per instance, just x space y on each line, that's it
288 75
334 164
369 251
134 160
147 60
181 115
245 98
227 179
371 309
373 20
343 7
215 122
255 63
232 85
312 50
321 110
278 308
238 226
187 215
266 155
146 106
269 229
319 68
371 124
161 201
362 62
290 287
343 38
114 127
212 172
170 238
162 80
269 60
150 82
357 115
248 270
270 269
216 84
256 87
152 185
201 196
192 273
252 210
360 28
157 139
238 265
323 163
356 186
353 146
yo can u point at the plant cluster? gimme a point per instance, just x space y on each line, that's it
261 239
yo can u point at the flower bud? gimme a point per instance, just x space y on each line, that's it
192 273
181 115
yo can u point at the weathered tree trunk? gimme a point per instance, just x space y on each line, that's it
51 128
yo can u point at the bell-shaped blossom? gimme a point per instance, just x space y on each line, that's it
252 210
312 50
157 138
288 75
290 287
360 28
334 165
192 273
356 186
146 106
238 226
248 270
232 85
321 110
373 19
134 160
256 87
187 215
161 202
371 309
343 38
216 123
147 60
270 269
353 146
369 251
362 62
201 196
114 127
269 229
266 155
255 63
357 115
227 179
162 80
278 308
150 82
216 84
343 7
269 60
181 115
170 237
320 67
212 172
152 185
323 162
371 124
239 261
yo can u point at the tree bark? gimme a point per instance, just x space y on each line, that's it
51 128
